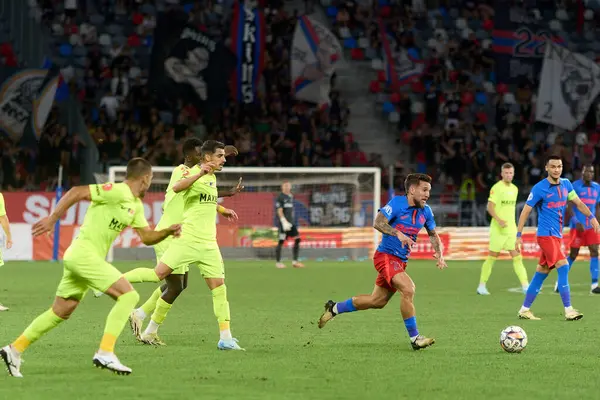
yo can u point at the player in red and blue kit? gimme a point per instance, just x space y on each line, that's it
549 197
582 232
400 221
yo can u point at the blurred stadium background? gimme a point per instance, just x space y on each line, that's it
358 92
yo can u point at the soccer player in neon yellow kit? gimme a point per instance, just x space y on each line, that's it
198 242
502 206
6 228
164 296
114 207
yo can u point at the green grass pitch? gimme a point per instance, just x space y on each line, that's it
362 355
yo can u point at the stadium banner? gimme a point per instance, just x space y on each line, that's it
22 248
248 44
314 55
459 243
401 68
18 93
331 205
518 44
188 64
569 85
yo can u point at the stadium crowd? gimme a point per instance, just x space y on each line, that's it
452 135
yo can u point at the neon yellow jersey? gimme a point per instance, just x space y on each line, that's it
2 208
200 211
113 209
504 198
174 202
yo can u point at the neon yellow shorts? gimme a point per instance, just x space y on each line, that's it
83 270
502 242
181 254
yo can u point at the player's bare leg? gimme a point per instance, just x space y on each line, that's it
126 298
175 285
60 311
221 309
594 268
376 300
405 285
296 252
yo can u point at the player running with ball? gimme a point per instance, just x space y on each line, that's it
549 197
400 221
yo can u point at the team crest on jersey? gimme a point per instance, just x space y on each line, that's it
564 192
131 211
421 219
107 186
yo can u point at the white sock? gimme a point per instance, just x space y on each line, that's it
523 309
594 286
570 308
140 313
413 338
105 353
226 334
151 328
525 285
335 311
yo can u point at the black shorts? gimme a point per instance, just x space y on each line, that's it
291 233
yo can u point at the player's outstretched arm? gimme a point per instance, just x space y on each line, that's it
150 237
73 196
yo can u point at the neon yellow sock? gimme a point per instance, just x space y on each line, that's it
520 270
150 304
117 318
38 328
161 311
141 275
221 309
486 269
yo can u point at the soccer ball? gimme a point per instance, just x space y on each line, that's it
513 339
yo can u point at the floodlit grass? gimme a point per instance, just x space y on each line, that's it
364 355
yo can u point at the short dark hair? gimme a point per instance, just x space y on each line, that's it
138 167
507 165
211 146
552 157
415 179
190 145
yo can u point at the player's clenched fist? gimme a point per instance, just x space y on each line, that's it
207 168
175 230
42 226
